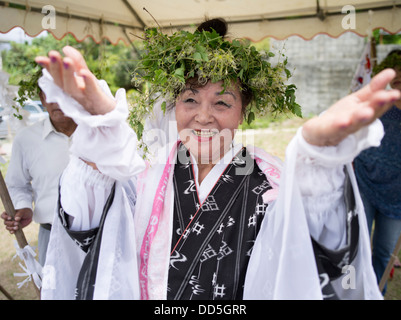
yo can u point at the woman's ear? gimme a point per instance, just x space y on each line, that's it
242 117
42 96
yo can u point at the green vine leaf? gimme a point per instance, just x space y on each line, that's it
27 89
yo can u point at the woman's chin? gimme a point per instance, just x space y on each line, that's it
207 151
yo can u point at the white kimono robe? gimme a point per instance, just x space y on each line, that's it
309 202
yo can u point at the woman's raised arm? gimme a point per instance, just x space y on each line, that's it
73 75
353 112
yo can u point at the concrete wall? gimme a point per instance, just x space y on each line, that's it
323 67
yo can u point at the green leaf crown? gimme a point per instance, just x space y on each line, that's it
171 60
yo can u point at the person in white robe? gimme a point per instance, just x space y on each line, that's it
133 258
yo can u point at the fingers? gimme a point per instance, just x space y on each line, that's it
347 116
382 100
76 57
55 67
378 82
71 83
74 64
43 62
64 70
378 103
382 79
53 64
5 216
90 80
73 76
353 112
11 225
375 96
22 218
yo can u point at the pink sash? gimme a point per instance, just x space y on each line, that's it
154 224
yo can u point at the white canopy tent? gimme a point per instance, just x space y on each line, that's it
253 19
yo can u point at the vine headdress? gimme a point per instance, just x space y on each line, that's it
171 60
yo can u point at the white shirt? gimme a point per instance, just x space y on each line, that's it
39 156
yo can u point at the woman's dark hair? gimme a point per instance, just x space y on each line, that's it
218 24
392 60
395 51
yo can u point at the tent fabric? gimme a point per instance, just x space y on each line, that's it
121 20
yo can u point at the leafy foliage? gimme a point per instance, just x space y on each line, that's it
114 63
164 68
383 37
28 89
171 60
392 61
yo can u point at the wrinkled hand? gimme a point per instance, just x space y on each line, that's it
72 75
23 217
353 112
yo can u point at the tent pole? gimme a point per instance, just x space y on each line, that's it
373 53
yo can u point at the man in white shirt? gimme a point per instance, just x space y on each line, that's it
39 155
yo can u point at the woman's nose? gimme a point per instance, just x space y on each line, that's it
204 114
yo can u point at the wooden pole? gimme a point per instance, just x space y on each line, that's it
9 208
4 291
373 54
390 264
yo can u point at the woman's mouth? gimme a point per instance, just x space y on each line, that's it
204 135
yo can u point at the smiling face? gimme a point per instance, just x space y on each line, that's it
207 119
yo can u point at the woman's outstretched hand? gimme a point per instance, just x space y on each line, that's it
72 75
353 112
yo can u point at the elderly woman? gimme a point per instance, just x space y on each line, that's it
208 218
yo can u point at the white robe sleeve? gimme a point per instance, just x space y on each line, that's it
106 140
83 193
320 173
117 271
310 203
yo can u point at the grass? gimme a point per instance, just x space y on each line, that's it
394 285
273 139
9 266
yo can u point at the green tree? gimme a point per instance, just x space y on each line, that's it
113 63
384 38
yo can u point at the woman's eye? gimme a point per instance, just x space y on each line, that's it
222 103
189 100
